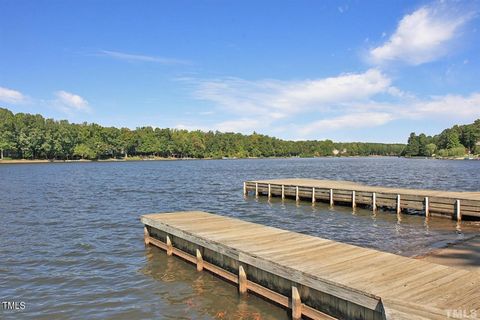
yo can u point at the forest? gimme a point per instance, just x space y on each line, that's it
28 136
453 142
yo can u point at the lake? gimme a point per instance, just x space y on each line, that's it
72 243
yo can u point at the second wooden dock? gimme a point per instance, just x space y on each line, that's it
446 203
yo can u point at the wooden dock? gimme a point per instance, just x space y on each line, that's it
313 277
429 202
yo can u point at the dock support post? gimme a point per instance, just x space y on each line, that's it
256 189
313 195
199 261
458 211
296 304
244 188
242 280
269 191
169 246
353 199
374 201
399 209
297 197
283 192
331 197
146 235
427 208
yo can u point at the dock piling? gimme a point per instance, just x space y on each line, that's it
199 261
399 208
242 280
269 191
313 195
458 211
169 246
427 207
297 197
353 200
256 189
374 201
283 192
244 188
296 304
331 197
146 235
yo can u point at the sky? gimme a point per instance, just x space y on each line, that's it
341 70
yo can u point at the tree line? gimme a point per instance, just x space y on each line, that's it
453 142
28 136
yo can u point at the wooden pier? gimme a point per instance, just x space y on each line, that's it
313 277
429 202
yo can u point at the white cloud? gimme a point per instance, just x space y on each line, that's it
279 99
350 121
454 106
422 36
142 58
11 96
70 103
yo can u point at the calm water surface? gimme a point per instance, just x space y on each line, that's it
72 244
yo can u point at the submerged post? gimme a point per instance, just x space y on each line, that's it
353 199
199 261
296 304
399 209
427 208
458 211
256 189
313 195
297 197
331 197
374 201
269 190
169 246
283 192
242 280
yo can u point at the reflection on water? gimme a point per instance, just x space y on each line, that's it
74 243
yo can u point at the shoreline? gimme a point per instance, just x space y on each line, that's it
28 161
35 161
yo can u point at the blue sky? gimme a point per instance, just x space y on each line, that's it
346 70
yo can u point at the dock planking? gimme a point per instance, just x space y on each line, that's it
314 277
452 204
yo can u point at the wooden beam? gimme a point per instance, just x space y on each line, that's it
331 197
169 246
313 195
427 207
242 280
353 199
374 201
296 304
199 261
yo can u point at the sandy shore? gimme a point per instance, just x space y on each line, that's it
463 255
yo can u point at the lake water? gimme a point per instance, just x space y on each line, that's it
72 243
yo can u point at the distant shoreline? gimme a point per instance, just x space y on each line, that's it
27 161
